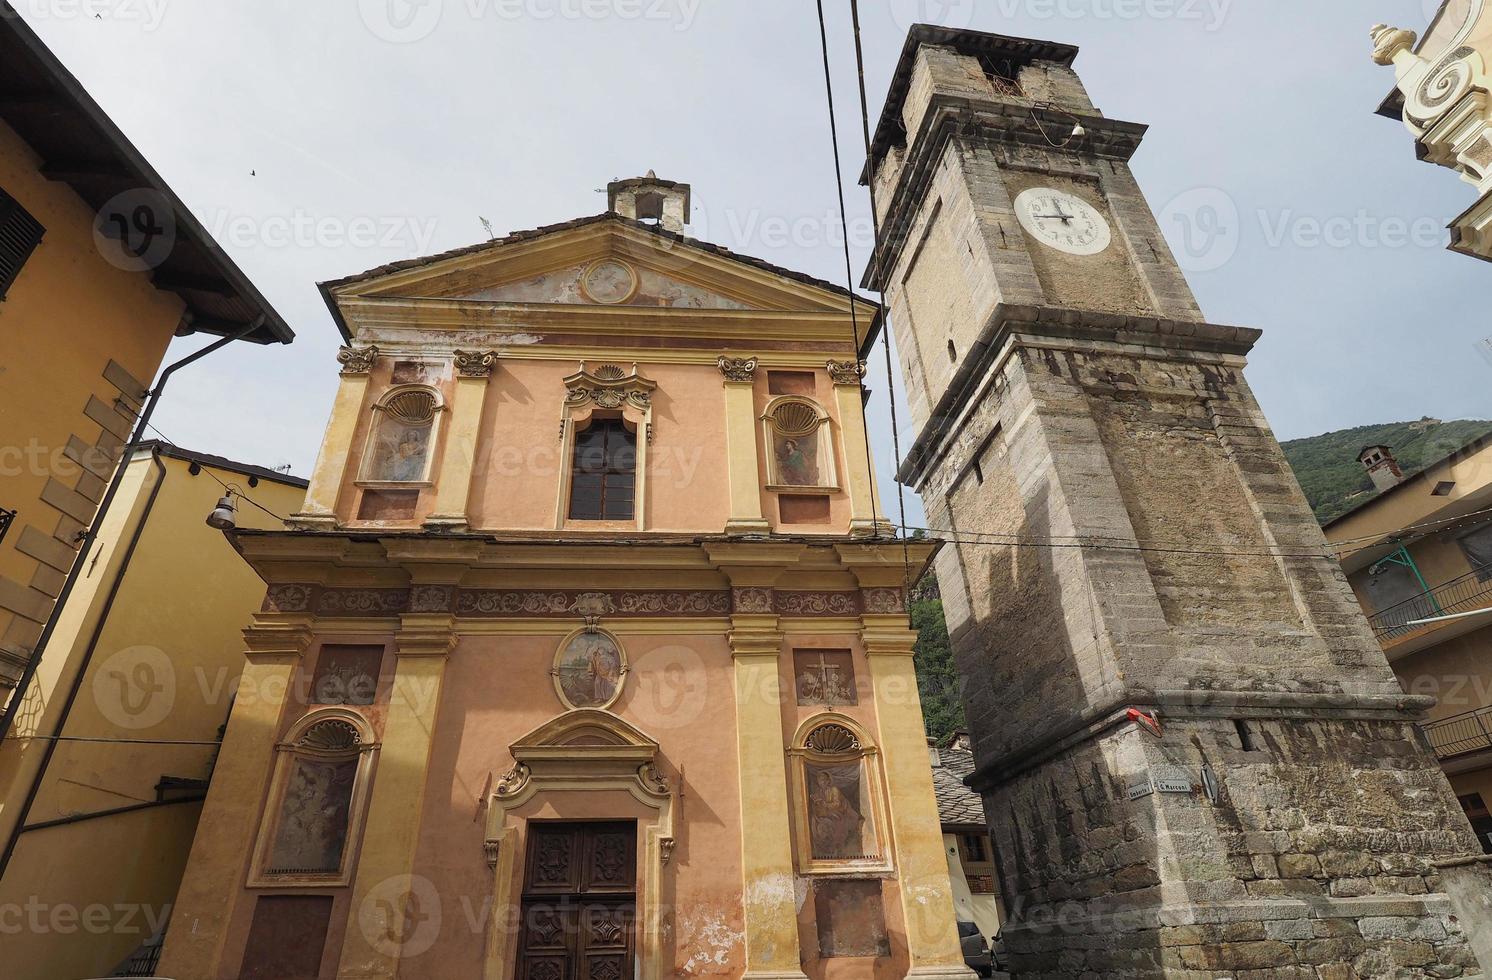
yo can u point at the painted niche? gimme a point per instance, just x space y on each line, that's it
402 437
589 669
839 801
322 774
802 455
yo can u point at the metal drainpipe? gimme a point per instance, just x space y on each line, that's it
77 683
19 693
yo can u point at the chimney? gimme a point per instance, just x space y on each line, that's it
1382 467
659 202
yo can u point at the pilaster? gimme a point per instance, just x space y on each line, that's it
741 447
373 942
756 644
227 829
319 510
860 479
922 869
453 485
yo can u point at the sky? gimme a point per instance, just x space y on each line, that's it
320 139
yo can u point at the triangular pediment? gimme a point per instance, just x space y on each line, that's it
585 728
605 261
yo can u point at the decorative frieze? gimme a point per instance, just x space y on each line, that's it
738 369
357 360
288 599
752 601
544 603
431 598
818 603
885 601
362 602
588 604
475 364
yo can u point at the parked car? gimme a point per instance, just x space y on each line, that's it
976 951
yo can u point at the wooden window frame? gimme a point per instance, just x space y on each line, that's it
614 427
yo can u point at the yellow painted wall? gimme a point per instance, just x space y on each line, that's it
164 668
67 315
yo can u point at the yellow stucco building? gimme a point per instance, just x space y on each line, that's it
596 642
100 266
1419 558
144 667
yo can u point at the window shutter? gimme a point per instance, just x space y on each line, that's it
20 233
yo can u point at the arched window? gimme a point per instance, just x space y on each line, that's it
401 439
317 799
802 452
840 812
603 477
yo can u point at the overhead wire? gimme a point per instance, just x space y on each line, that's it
849 271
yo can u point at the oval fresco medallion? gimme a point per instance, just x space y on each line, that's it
589 670
609 281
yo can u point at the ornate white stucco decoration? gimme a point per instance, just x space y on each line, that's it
1448 108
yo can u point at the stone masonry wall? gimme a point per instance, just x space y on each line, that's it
1314 862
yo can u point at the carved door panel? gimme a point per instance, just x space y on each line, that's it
579 902
606 941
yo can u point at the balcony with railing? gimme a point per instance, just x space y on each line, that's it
1469 593
1461 734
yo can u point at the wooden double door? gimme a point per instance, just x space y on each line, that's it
579 902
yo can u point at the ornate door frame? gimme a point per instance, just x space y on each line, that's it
585 750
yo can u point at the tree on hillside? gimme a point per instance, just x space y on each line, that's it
937 680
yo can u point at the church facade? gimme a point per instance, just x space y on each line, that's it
588 655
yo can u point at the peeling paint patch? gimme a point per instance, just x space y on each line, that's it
708 945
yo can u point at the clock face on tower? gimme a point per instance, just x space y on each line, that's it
1062 221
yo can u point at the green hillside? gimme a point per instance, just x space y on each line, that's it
1335 482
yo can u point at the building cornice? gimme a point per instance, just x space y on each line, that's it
1011 326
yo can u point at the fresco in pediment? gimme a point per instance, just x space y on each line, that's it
608 282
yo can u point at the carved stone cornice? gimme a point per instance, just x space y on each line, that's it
737 370
846 372
609 387
1447 102
357 360
285 639
425 635
747 642
475 364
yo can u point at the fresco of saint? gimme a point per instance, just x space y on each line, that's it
797 460
401 453
836 824
313 817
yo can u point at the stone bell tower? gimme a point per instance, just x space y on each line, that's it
1192 752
